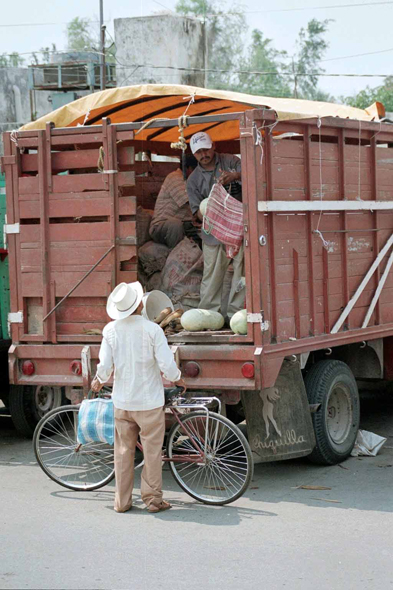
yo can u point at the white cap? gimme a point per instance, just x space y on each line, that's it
124 300
200 141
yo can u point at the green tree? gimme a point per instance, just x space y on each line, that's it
225 30
80 36
311 47
368 96
263 57
11 60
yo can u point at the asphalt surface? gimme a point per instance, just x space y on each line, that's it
276 536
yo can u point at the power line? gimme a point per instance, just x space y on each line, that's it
301 9
42 24
357 55
247 72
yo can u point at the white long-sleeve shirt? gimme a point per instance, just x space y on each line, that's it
137 350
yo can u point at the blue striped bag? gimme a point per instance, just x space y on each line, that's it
96 421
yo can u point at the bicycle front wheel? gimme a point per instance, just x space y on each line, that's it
64 460
210 458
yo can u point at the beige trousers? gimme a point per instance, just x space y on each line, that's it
150 425
215 264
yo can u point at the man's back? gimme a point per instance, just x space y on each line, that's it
139 352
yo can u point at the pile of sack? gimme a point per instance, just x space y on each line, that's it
178 273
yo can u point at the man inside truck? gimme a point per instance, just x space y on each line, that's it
172 218
137 350
224 169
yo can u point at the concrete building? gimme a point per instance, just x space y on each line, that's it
160 40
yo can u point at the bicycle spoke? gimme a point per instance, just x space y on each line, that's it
65 460
226 462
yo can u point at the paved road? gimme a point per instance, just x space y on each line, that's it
275 537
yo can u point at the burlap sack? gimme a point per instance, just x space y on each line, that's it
182 273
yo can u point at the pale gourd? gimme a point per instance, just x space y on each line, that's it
238 322
202 208
196 320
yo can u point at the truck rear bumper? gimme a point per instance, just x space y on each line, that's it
219 367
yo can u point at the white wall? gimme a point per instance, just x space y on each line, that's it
159 40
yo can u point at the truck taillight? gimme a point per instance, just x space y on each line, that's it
76 367
248 370
192 369
28 368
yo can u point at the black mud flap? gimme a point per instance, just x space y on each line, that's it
278 419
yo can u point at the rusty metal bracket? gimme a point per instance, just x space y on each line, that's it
257 318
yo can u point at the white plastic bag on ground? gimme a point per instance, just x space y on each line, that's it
367 443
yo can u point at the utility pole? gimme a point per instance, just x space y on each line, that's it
102 48
294 78
206 48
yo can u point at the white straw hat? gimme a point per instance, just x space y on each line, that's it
124 300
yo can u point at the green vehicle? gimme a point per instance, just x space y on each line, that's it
5 341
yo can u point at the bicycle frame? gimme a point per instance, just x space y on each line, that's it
201 458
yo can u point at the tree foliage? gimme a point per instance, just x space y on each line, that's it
311 47
80 36
227 51
11 60
368 96
263 57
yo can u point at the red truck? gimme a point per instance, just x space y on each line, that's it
318 235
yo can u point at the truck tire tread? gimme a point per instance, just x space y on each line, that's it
318 382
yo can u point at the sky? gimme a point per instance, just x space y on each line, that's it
359 27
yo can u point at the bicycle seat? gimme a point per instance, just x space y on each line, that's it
170 393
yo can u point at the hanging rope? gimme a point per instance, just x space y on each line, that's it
181 143
148 123
359 198
14 137
317 231
100 163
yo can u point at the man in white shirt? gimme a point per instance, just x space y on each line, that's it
137 351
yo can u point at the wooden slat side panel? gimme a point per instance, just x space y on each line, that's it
78 207
80 159
71 183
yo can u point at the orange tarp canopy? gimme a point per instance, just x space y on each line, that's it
156 101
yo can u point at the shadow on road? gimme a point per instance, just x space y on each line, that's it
360 483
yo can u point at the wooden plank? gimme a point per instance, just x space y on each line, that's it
362 285
43 162
296 301
11 174
309 235
76 160
70 183
110 163
251 265
98 283
78 207
75 232
69 256
271 236
297 206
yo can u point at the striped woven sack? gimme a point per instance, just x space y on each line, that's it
96 421
223 219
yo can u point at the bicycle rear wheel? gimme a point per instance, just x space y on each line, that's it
58 453
225 468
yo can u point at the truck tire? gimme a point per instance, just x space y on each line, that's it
235 413
336 423
28 404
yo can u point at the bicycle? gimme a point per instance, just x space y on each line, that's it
208 456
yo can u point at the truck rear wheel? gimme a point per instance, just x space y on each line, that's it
336 423
28 404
